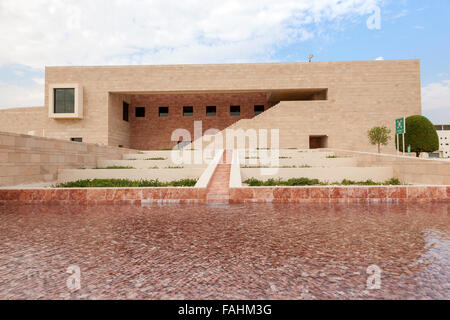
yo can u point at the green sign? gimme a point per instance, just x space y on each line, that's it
400 126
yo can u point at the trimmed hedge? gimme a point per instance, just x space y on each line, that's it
420 134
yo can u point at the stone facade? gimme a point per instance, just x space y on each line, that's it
359 95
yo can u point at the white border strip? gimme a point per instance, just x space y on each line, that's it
235 173
207 174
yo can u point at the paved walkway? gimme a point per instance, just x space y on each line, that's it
218 190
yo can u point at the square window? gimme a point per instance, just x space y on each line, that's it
125 110
140 112
163 111
188 111
259 110
235 110
64 101
76 139
211 111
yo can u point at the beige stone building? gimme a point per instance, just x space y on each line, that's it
319 104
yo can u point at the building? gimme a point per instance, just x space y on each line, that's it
319 104
443 132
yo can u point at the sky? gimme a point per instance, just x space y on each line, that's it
39 33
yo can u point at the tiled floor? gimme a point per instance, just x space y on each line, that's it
260 251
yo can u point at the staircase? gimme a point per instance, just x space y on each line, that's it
218 190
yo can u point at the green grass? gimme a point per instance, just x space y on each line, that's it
174 167
125 183
159 158
252 182
117 167
281 167
331 157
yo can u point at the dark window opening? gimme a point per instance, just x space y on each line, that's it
259 110
235 110
64 100
163 111
318 142
76 139
125 110
140 112
188 111
211 111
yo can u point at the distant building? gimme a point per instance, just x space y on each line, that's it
443 131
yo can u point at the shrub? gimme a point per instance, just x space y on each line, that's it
118 167
252 182
420 134
125 183
159 158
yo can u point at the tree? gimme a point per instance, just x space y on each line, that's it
379 136
420 134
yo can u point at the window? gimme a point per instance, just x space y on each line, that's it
140 112
211 111
64 101
235 110
125 110
76 139
163 111
259 110
187 111
446 127
438 127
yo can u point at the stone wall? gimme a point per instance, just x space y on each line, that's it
28 159
408 169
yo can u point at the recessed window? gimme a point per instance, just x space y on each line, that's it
235 110
187 111
76 139
163 111
211 111
125 110
259 110
64 101
140 112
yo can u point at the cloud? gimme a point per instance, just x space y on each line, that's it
21 96
436 95
379 59
123 32
436 102
86 32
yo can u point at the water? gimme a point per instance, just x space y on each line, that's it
261 251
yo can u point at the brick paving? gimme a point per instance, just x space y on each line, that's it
252 251
218 190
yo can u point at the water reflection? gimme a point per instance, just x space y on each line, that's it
261 251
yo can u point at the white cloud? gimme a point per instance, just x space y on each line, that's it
19 96
379 59
105 32
86 32
436 95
